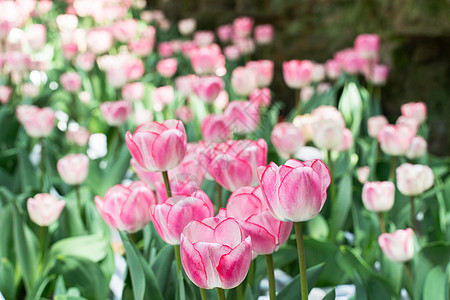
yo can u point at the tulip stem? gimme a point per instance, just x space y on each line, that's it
408 272
167 184
301 259
43 231
381 219
221 293
271 277
393 166
239 291
298 107
332 179
413 213
203 294
77 192
177 258
219 196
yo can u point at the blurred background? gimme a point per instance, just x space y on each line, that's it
415 44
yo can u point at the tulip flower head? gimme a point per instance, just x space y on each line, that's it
73 168
398 246
378 196
413 180
44 209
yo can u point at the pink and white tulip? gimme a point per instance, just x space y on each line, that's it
378 196
116 112
244 80
416 110
208 88
398 246
73 168
215 129
44 209
263 34
71 81
417 148
242 116
367 45
413 180
134 91
287 139
167 67
38 122
395 140
297 74
264 71
375 124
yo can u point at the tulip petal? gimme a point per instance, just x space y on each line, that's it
234 266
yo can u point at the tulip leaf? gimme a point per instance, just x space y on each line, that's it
27 174
162 266
331 295
7 272
342 204
26 249
293 290
434 287
92 247
351 107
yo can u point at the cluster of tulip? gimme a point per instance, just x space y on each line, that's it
115 119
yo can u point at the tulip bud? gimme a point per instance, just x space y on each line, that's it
395 140
71 81
263 34
204 38
5 93
162 96
363 174
242 26
263 70
417 148
375 125
378 196
416 110
167 67
132 92
398 246
44 209
116 112
367 45
208 88
225 33
287 139
413 180
297 74
215 129
244 81
187 26
38 122
73 168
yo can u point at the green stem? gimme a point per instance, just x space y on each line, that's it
77 191
271 277
333 184
221 293
392 170
301 259
413 214
211 108
203 294
380 218
408 271
219 196
176 248
43 231
251 273
167 184
298 102
239 291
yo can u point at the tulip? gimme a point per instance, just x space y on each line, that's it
297 73
327 134
242 26
38 122
207 59
165 49
116 112
162 96
347 140
363 174
287 139
215 129
242 116
305 123
73 168
409 122
203 38
375 124
264 71
184 113
134 69
28 90
378 196
116 77
379 75
125 30
174 214
367 45
99 40
71 81
246 45
225 32
215 253
126 208
263 34
417 148
262 97
332 69
86 61
247 205
233 163
398 246
232 52
349 60
167 67
78 135
184 85
284 189
44 209
318 73
132 92
187 26
306 93
395 140
413 180
36 36
5 93
142 47
158 146
208 88
244 80
416 110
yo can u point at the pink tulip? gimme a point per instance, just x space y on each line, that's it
84 96
378 196
132 92
233 163
318 73
28 90
134 69
296 191
173 215
333 69
167 67
73 168
225 32
158 146
70 50
363 174
71 81
36 36
417 148
349 61
215 129
203 38
287 139
116 112
215 253
395 140
184 113
149 178
184 85
375 124
305 124
187 26
38 122
142 47
78 135
247 205
99 40
125 30
244 81
66 22
44 209
297 73
116 77
263 34
165 49
5 93
398 246
379 75
413 180
328 127
162 96
367 45
180 184
264 71
262 97
242 116
232 52
347 140
416 110
208 88
222 100
86 61
243 26
245 45
126 208
306 93
207 59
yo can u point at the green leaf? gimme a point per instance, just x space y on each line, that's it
27 174
342 205
351 107
93 247
318 228
162 265
434 287
331 295
7 274
293 289
26 250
